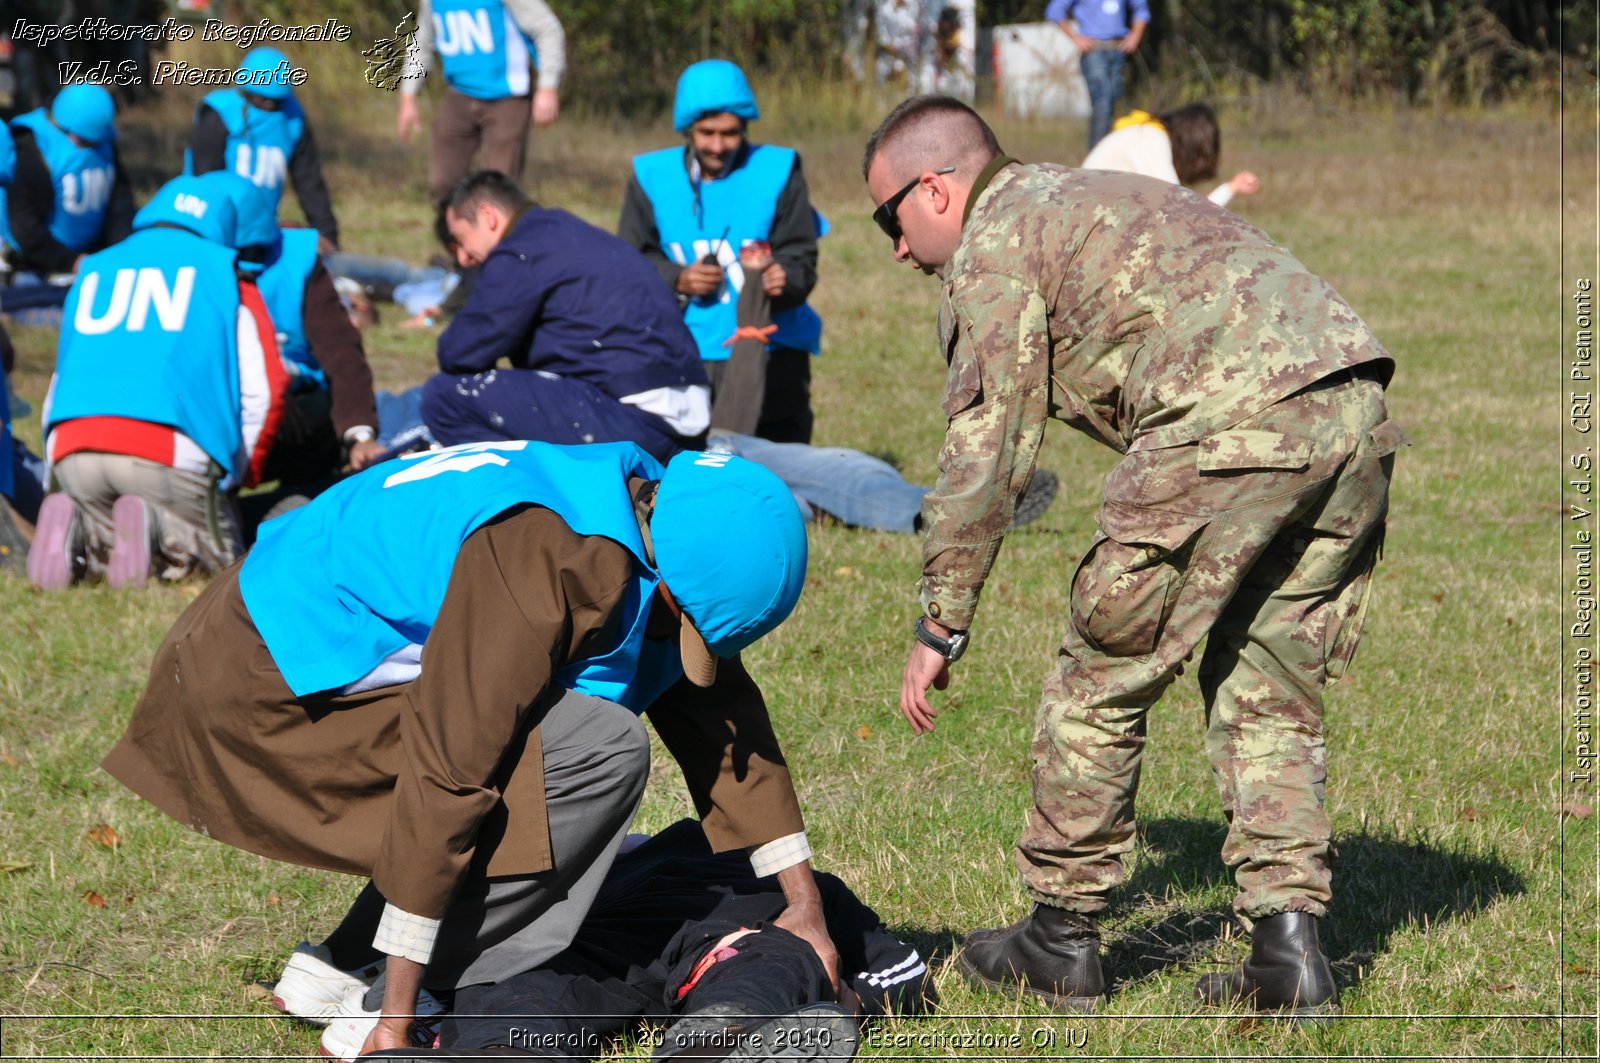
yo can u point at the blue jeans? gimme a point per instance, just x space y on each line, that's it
1102 70
853 487
415 287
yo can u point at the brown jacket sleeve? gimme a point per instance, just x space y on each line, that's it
337 347
722 738
526 596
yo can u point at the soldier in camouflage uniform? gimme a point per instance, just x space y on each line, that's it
1248 401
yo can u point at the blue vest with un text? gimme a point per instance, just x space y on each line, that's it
82 178
340 584
741 203
150 332
283 289
259 143
482 51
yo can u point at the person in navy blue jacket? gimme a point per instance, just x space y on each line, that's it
597 349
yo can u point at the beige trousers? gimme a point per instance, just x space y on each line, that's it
181 505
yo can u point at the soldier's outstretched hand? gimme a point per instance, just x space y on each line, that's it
924 669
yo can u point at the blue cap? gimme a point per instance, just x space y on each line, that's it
712 86
730 545
265 72
254 212
85 111
191 203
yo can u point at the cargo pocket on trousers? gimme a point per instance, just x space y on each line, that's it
1125 587
1375 467
1350 612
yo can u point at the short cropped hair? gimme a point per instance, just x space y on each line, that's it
1196 141
964 139
476 189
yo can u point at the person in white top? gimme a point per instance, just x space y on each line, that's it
1181 147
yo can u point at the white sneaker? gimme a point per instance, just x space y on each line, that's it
352 1022
312 988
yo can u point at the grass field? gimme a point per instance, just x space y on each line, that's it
1464 921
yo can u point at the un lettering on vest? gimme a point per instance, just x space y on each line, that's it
463 458
87 191
463 32
263 165
727 258
134 293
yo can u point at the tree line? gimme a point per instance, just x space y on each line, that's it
625 56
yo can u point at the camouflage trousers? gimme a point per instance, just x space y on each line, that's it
1262 537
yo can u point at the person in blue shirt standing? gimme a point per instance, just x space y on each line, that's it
598 351
1108 31
485 48
259 131
691 210
68 195
485 783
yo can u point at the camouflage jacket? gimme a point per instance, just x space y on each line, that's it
1135 311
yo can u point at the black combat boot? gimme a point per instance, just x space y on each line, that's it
1286 972
1053 955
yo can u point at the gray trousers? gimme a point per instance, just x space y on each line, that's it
596 761
184 541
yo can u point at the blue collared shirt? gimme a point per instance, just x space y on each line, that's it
1104 20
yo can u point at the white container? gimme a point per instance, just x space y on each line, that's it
1036 73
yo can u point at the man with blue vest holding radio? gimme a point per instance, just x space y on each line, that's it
598 350
692 210
467 737
68 195
485 49
166 396
257 130
331 408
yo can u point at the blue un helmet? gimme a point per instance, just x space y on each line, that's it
265 72
730 545
85 111
255 218
712 86
191 203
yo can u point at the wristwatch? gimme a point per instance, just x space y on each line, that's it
950 648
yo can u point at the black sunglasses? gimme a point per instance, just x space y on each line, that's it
888 213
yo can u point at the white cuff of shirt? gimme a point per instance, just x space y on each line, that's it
361 433
785 852
402 934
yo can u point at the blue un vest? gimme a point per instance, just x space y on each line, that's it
260 143
150 332
340 584
283 289
482 51
743 203
82 178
